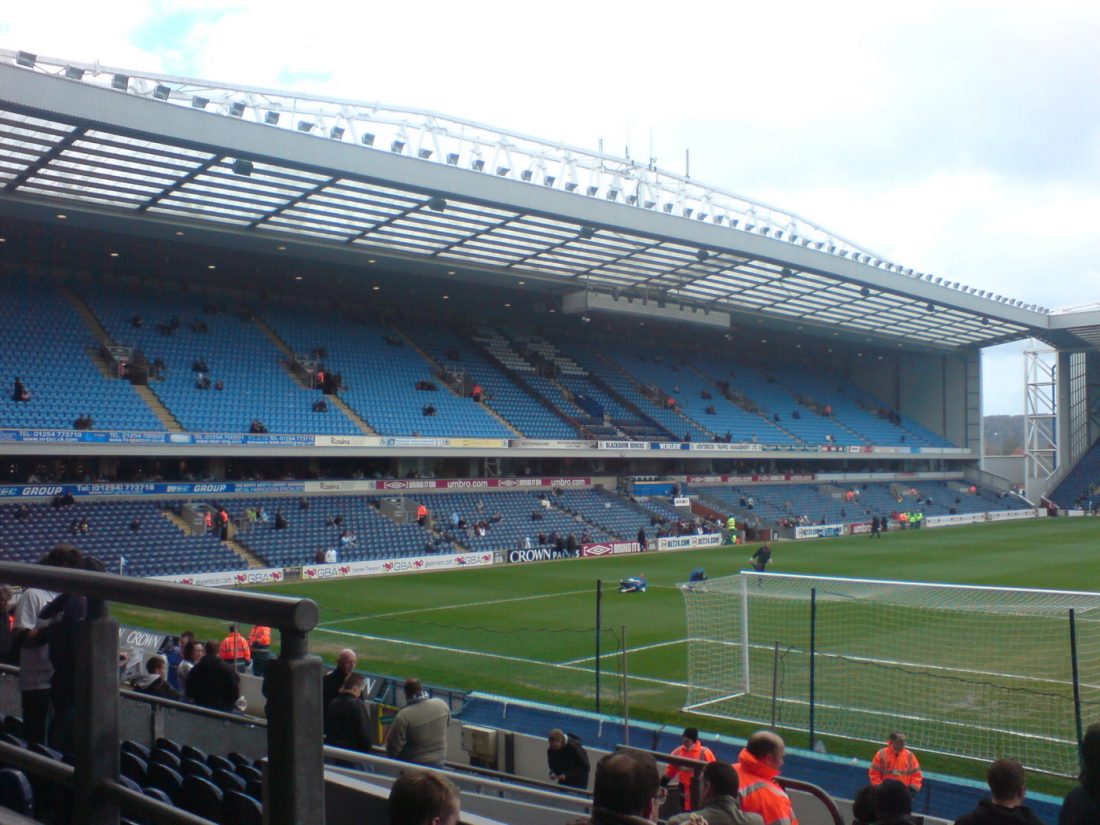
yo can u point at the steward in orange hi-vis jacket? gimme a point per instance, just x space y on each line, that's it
690 748
895 761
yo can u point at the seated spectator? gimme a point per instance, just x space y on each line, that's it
330 556
863 806
19 391
796 415
477 393
428 410
136 322
710 410
1082 804
135 524
719 797
280 521
218 385
423 798
627 790
706 396
155 680
320 406
202 382
256 426
199 365
893 804
1007 787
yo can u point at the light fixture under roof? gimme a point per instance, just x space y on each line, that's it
503 171
242 167
236 109
120 82
570 186
74 73
271 118
452 158
200 102
525 175
398 146
26 59
424 154
367 139
437 203
162 92
305 126
592 190
336 133
478 165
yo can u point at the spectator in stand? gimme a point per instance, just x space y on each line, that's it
19 391
567 759
235 650
1082 805
895 761
334 680
421 515
192 652
35 668
627 790
213 682
759 762
690 748
863 806
641 539
1007 787
893 804
347 722
419 731
280 520
423 798
155 680
476 394
719 797
259 641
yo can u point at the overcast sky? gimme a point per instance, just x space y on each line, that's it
961 139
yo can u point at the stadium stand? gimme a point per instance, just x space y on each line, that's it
44 341
1078 489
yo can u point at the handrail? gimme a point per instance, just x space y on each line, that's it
146 806
300 615
293 786
523 781
696 766
813 790
57 773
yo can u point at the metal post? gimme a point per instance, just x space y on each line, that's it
745 631
813 663
1076 685
599 619
775 678
293 790
626 698
95 737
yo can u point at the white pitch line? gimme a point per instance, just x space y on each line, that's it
628 650
498 656
449 607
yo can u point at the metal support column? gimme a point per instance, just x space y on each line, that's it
295 739
96 722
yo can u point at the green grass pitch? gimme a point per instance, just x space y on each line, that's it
528 630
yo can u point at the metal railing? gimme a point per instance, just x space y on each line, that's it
293 787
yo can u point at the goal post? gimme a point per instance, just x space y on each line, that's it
969 671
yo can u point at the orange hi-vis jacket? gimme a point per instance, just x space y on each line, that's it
235 647
903 766
259 636
759 792
684 775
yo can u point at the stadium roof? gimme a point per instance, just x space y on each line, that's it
409 190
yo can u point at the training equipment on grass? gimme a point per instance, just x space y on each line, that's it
977 672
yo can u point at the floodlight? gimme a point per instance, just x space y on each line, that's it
305 126
592 190
632 200
749 227
844 253
612 194
806 242
236 109
831 249
367 139
985 321
336 133
121 82
548 180
702 255
571 186
668 208
74 73
452 158
734 222
26 59
397 146
525 175
786 273
478 165
687 211
779 234
424 154
271 118
719 219
161 92
865 292
437 203
702 216
586 232
650 204
242 167
931 307
503 170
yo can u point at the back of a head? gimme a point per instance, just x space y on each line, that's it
61 555
892 800
354 682
91 564
625 782
153 664
763 744
863 806
1090 758
1006 779
418 797
213 647
412 687
722 779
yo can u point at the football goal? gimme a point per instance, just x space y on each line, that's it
976 672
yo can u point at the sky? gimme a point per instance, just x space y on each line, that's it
957 138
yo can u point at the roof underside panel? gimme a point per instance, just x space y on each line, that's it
62 159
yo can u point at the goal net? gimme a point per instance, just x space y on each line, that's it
976 672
